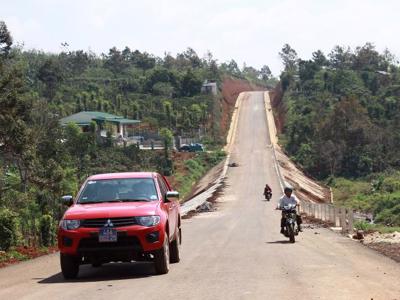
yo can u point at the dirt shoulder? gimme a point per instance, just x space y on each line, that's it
307 189
385 243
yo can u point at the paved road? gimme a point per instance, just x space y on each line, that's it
235 252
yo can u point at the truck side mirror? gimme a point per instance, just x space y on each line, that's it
67 200
171 195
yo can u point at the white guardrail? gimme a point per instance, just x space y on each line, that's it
334 216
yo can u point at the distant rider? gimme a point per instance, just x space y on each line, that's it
286 199
267 190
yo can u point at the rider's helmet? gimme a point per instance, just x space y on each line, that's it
288 189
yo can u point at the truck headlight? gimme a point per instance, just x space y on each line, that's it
148 221
70 224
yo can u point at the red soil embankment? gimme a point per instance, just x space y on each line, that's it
231 88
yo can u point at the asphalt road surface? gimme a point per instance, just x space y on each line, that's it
235 252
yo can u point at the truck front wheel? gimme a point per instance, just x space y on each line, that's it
69 266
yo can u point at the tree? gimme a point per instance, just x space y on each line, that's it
265 73
232 68
168 112
5 39
341 57
191 84
195 114
319 58
16 138
78 144
349 129
115 61
367 58
51 74
289 58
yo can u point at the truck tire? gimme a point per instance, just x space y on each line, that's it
161 258
174 248
69 266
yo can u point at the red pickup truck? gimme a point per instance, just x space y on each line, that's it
120 217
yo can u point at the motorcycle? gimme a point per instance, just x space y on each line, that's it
290 215
268 196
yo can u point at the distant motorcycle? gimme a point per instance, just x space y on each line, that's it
290 215
268 196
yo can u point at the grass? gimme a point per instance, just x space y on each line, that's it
195 168
378 194
12 256
368 227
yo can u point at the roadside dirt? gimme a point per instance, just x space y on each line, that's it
306 188
24 253
385 243
388 249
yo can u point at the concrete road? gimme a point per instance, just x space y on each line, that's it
235 252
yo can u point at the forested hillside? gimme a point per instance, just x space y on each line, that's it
339 117
40 161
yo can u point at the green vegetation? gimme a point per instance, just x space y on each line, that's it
12 255
40 161
195 168
342 117
378 194
368 227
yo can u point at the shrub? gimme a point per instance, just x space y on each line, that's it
390 184
364 225
8 228
47 229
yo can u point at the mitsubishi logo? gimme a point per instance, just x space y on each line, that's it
109 223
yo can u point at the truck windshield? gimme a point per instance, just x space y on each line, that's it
118 190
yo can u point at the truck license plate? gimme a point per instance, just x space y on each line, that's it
108 234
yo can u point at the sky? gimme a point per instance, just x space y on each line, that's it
251 32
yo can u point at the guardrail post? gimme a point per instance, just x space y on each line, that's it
328 207
343 219
320 211
326 212
350 219
336 216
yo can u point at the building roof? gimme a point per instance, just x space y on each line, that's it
85 117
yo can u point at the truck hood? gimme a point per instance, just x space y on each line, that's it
111 210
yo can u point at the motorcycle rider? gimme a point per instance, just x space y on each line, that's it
267 190
286 199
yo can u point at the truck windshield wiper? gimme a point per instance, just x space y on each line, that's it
116 200
133 200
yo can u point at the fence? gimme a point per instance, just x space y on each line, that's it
335 216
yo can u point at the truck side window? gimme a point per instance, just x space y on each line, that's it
162 187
